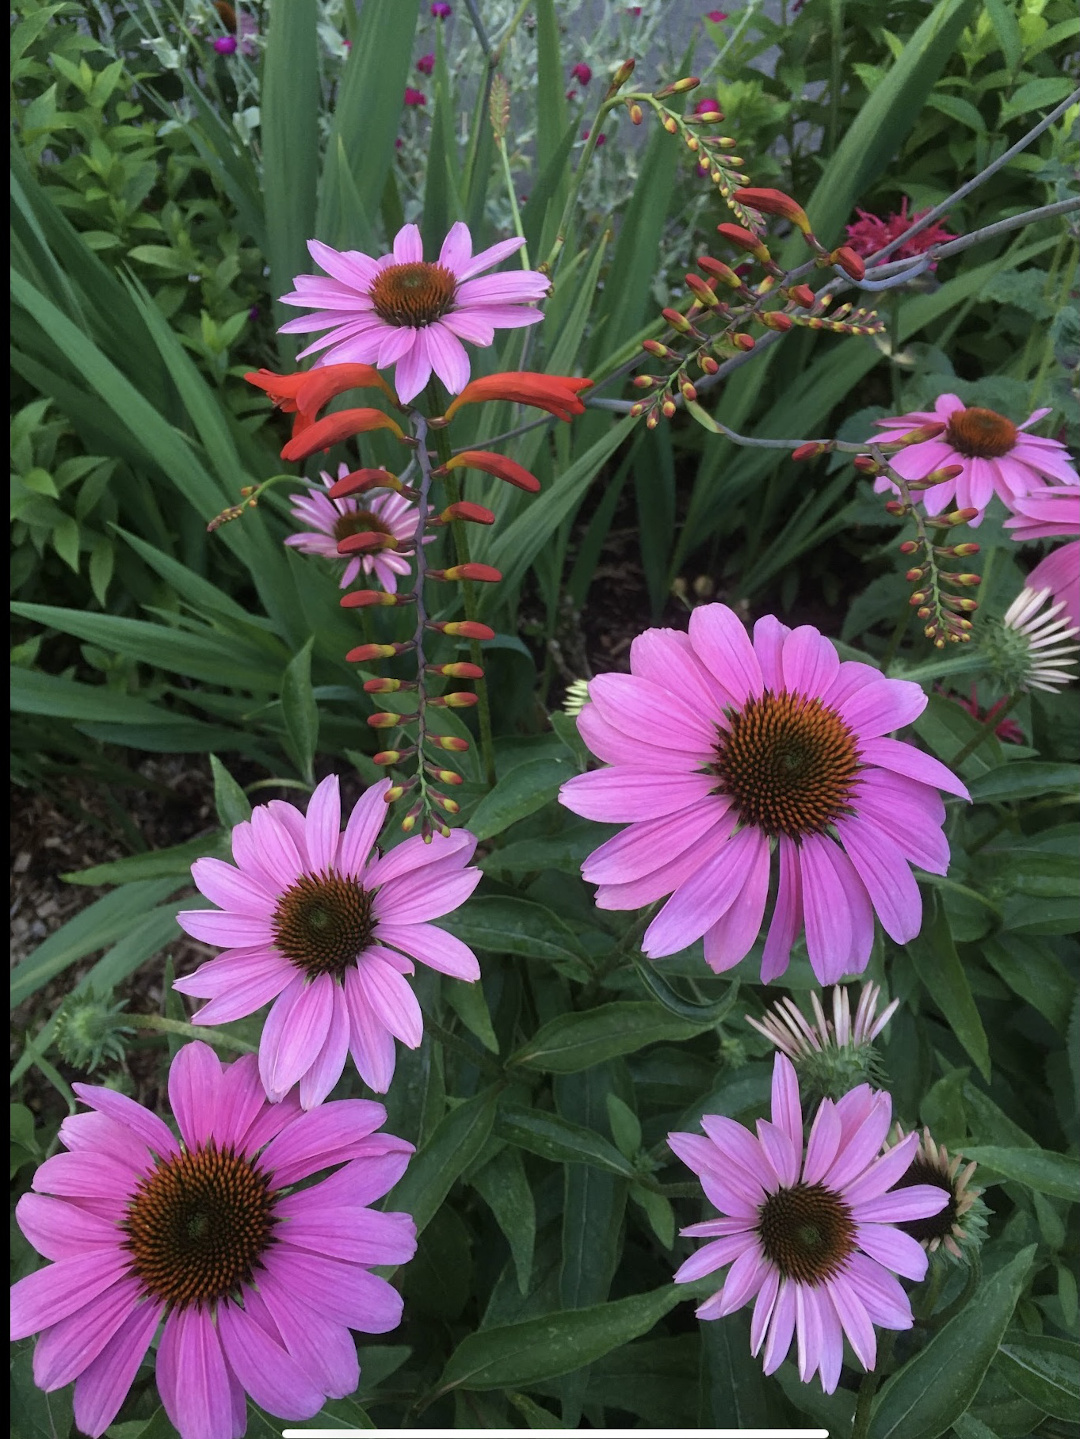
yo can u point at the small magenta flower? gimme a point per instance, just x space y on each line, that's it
600 140
716 16
995 456
732 760
405 311
315 921
426 64
259 1281
441 10
414 98
581 73
226 44
811 1228
328 521
870 233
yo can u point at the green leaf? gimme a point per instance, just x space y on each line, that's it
527 788
343 1413
93 928
625 1126
452 1147
957 109
1044 1370
522 1354
505 925
230 801
573 1042
467 1001
176 860
1035 95
938 966
732 1384
1039 1169
685 1009
1033 972
932 1390
1025 779
301 712
555 1138
1002 17
504 1188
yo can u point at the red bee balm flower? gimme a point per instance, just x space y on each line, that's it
870 234
581 73
558 394
414 97
426 64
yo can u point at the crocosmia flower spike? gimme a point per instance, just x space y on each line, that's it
312 918
810 1231
406 311
258 1281
727 755
327 521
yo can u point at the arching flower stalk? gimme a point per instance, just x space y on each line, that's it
811 1228
258 1281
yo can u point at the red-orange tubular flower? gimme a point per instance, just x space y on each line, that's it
358 481
774 202
332 429
493 464
558 394
305 392
745 240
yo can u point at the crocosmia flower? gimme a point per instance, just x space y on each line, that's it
731 760
1044 515
997 457
810 1231
326 522
312 918
258 1281
406 311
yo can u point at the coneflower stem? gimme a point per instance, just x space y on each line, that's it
188 1031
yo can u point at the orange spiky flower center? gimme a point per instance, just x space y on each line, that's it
322 922
807 1231
414 295
980 434
198 1224
789 763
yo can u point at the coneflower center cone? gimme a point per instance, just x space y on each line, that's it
936 1226
355 522
788 763
198 1224
807 1231
413 295
980 434
322 922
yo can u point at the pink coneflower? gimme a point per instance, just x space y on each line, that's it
317 922
723 752
870 233
996 455
413 98
402 310
811 1236
1043 515
582 73
426 64
326 522
259 1283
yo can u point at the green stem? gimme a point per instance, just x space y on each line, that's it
514 211
162 1025
985 730
869 1386
549 264
902 622
449 1040
461 545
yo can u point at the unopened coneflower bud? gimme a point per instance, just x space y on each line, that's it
654 347
466 510
458 670
719 271
366 540
467 629
362 653
635 114
359 599
677 322
774 202
810 451
849 261
448 741
708 364
472 570
908 547
776 320
745 240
